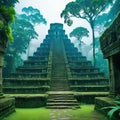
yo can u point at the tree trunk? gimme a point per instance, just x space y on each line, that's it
80 46
93 37
0 74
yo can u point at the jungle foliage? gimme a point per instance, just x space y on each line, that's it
7 14
87 10
8 2
79 33
23 31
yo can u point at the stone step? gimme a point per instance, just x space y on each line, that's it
59 84
59 87
58 67
62 88
62 107
7 106
65 101
56 89
58 75
61 96
59 78
61 104
62 69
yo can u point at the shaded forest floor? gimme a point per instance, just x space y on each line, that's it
86 112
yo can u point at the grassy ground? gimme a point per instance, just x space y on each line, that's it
30 114
86 112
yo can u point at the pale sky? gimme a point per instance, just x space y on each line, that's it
51 10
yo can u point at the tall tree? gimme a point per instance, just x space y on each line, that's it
7 14
79 33
34 16
85 9
23 32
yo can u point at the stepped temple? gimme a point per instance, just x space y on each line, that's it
57 75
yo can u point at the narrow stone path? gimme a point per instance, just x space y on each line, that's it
77 114
59 114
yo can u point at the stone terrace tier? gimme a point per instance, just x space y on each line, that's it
33 76
83 76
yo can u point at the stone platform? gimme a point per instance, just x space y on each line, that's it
7 106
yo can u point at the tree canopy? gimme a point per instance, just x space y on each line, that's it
79 33
7 14
8 2
85 9
105 19
33 15
23 32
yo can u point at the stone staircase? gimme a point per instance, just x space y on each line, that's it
59 84
59 96
61 100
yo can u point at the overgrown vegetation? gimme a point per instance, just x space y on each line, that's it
7 14
6 18
23 30
113 111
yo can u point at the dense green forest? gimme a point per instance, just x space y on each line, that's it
22 30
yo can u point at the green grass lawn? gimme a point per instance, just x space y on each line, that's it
86 112
30 114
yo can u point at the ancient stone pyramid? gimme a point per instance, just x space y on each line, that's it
59 71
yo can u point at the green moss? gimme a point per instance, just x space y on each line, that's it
7 17
9 33
87 112
30 114
1 24
8 13
91 93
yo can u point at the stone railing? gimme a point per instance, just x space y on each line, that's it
110 39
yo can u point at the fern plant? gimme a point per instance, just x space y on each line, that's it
114 111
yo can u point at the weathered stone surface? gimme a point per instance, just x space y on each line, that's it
110 45
7 106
